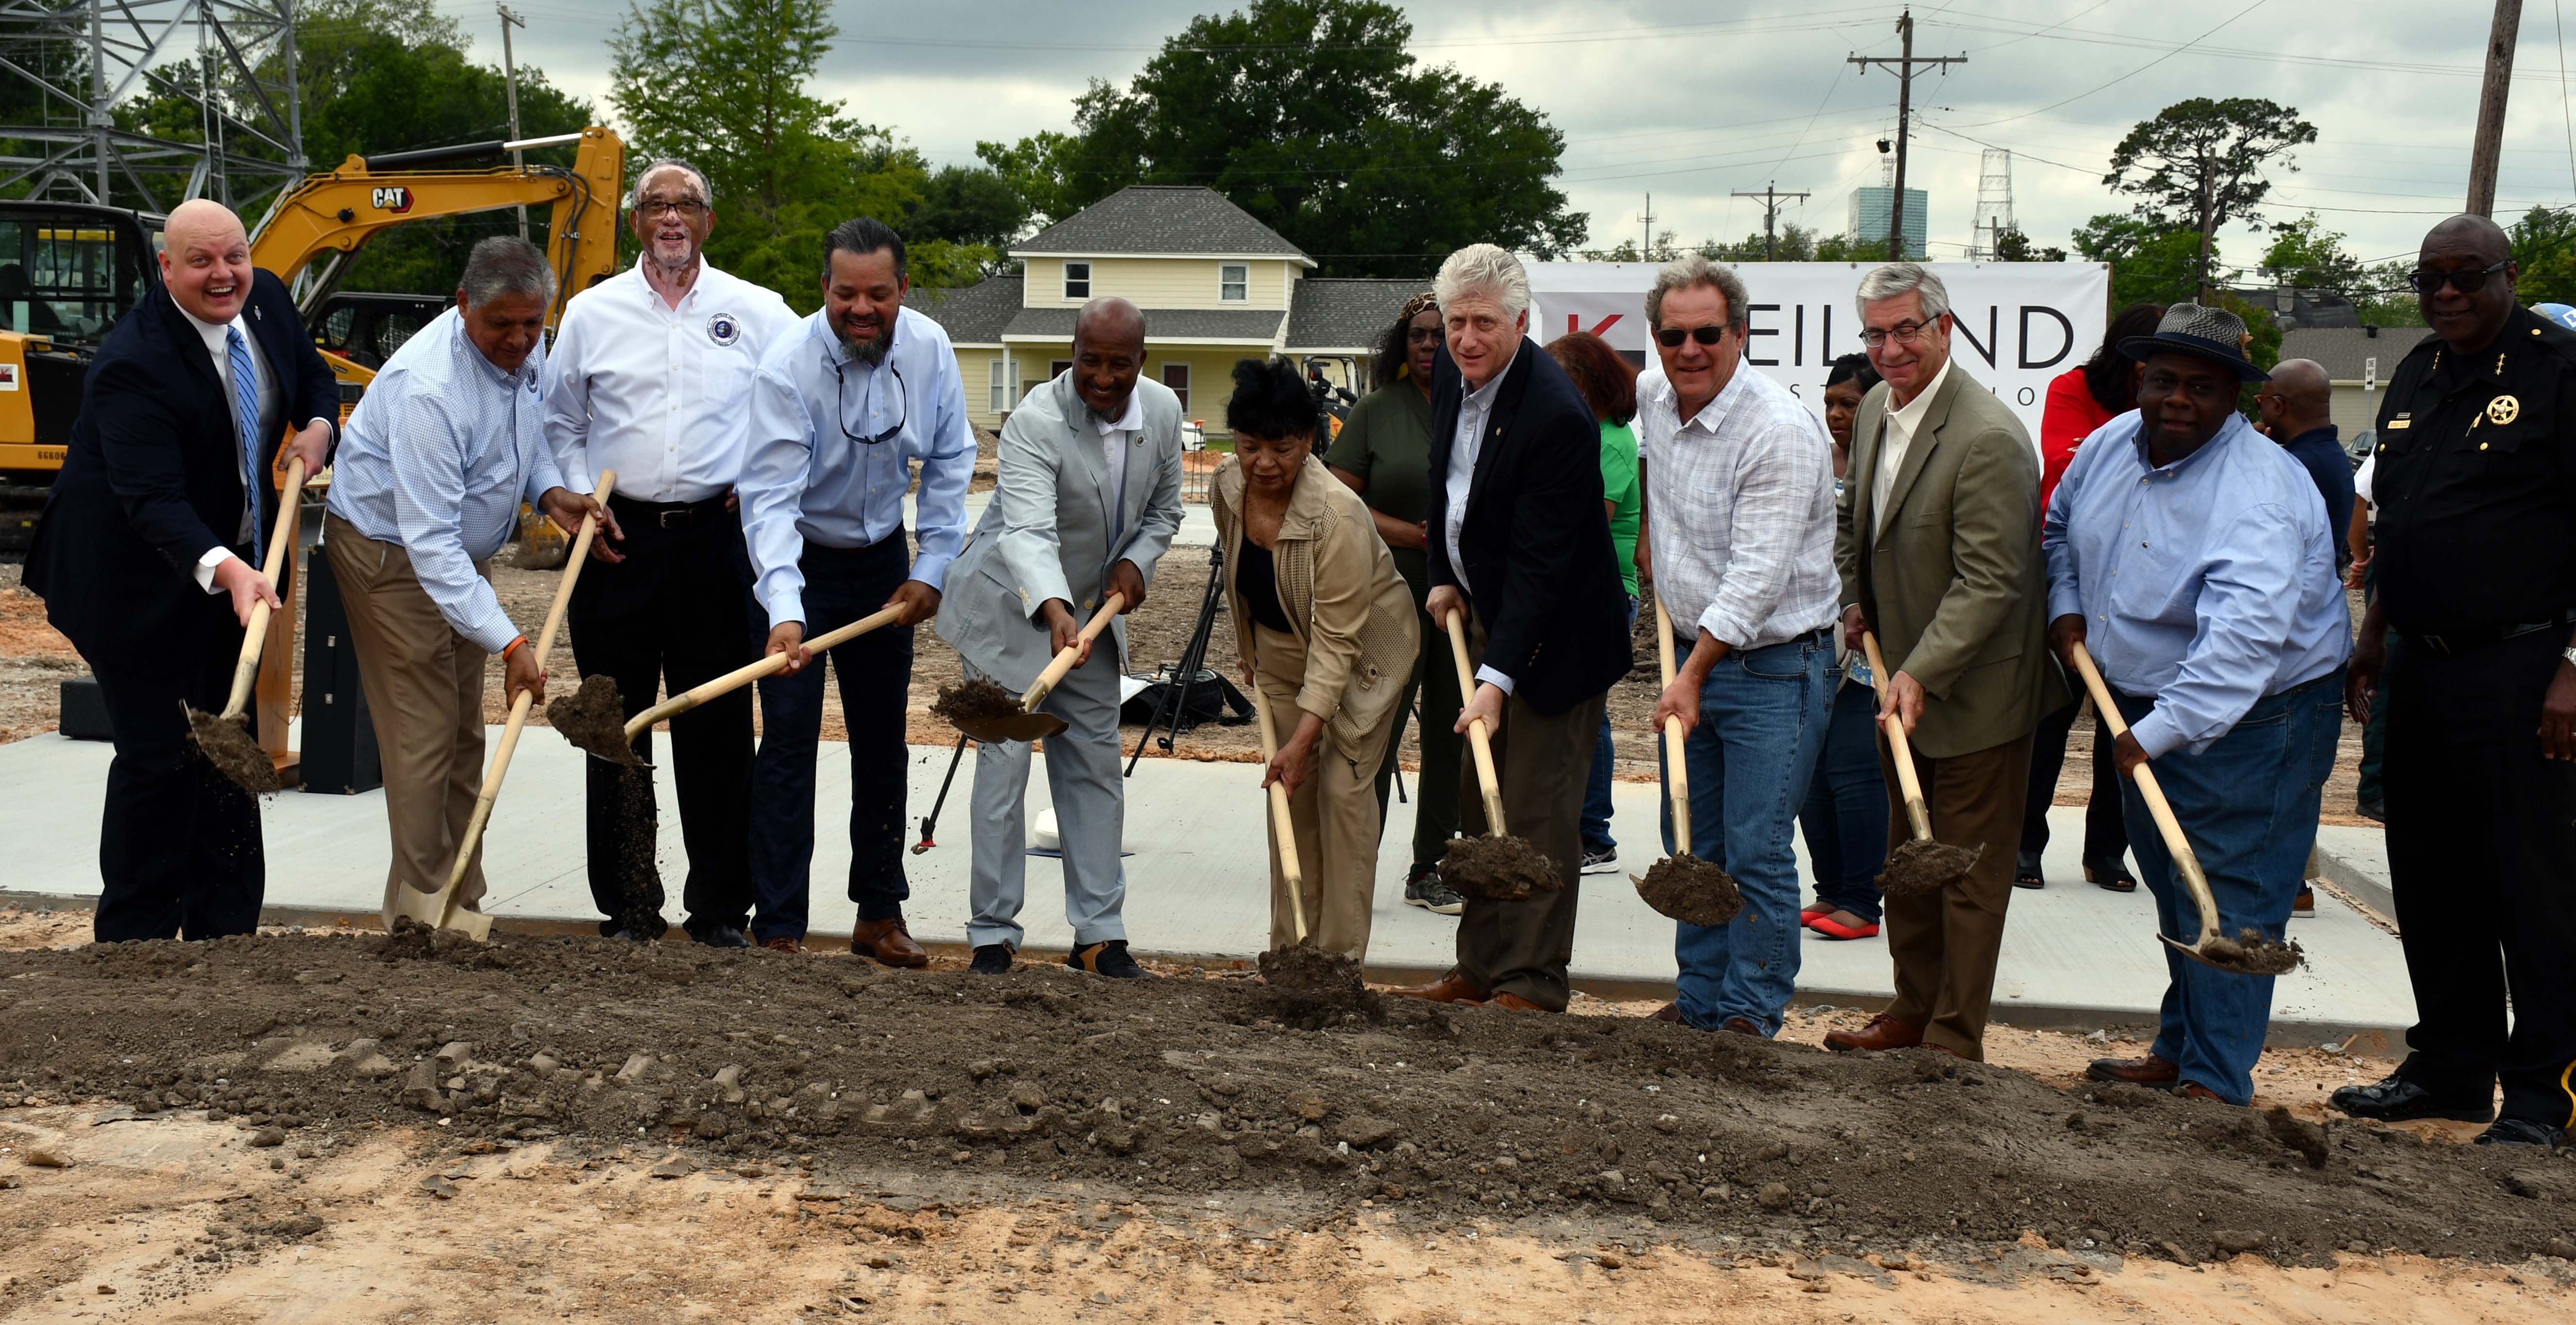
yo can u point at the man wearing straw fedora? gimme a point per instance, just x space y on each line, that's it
2193 560
1937 540
447 443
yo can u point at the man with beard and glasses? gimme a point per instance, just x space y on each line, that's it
842 407
651 377
1087 498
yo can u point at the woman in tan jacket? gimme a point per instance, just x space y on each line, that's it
1325 627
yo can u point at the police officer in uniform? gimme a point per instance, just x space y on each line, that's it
2469 643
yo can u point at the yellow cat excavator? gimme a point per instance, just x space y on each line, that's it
69 270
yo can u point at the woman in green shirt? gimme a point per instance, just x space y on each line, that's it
1384 454
1609 385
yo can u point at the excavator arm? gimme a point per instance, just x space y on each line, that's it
330 216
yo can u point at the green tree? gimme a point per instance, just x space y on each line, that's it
2200 163
2011 245
1312 116
2149 262
2544 249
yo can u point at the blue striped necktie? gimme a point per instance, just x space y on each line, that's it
246 419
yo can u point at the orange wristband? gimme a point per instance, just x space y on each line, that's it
512 647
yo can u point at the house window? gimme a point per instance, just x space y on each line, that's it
1177 377
1056 368
1077 280
1233 282
998 385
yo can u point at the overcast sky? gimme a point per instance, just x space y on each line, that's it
1692 102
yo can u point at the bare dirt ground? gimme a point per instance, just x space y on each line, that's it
342 1128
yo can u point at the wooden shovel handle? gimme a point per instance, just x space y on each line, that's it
1912 786
2186 863
519 707
1479 740
255 632
750 672
1110 607
1283 829
1676 769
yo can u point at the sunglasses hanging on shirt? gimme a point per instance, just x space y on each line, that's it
840 408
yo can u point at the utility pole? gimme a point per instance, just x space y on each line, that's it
1647 253
2490 141
1904 69
1770 196
510 75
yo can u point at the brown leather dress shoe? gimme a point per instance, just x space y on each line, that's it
1450 988
1515 1002
784 944
2147 1071
2193 1090
1671 1012
1882 1032
889 941
1740 1026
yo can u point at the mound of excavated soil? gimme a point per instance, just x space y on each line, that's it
593 718
978 699
1185 1089
1918 867
1305 966
1690 890
234 752
1498 869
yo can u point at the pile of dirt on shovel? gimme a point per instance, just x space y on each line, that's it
1192 1089
1691 890
594 719
1918 867
234 752
1498 869
971 701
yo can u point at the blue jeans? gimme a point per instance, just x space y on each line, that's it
1845 818
1762 719
1596 795
2248 805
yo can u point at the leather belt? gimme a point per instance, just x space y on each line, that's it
2451 644
667 515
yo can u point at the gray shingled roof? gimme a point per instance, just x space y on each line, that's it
2342 350
974 315
1161 324
1162 218
1346 313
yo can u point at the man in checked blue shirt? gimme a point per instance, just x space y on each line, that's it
2193 560
444 446
841 408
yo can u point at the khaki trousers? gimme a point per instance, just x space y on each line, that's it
1544 765
1334 816
1944 944
424 685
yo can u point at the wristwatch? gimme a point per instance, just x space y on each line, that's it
2569 653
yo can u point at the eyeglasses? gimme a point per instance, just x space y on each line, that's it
1671 338
1903 333
2429 283
685 207
841 414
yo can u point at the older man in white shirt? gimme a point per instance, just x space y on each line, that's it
651 377
844 406
1739 485
426 488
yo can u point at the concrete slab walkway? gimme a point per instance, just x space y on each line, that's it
2074 955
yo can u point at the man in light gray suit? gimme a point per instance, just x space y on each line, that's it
1087 498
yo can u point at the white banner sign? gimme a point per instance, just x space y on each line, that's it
2019 323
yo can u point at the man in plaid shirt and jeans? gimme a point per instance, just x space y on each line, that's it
1739 532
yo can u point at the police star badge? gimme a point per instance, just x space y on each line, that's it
724 329
2503 410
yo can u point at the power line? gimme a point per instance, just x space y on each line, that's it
2258 4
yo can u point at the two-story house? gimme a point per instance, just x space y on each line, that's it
1215 285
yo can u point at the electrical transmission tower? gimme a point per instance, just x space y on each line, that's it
66 66
1994 205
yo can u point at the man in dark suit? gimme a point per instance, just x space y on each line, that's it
1521 547
147 559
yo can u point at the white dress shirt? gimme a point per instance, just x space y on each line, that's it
1469 443
1899 436
213 334
662 395
1742 503
1115 434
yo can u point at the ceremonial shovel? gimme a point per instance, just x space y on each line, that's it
438 909
622 752
228 747
1922 865
1682 886
1028 724
1283 829
2250 952
1499 866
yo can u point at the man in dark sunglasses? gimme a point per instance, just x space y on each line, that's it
2469 641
